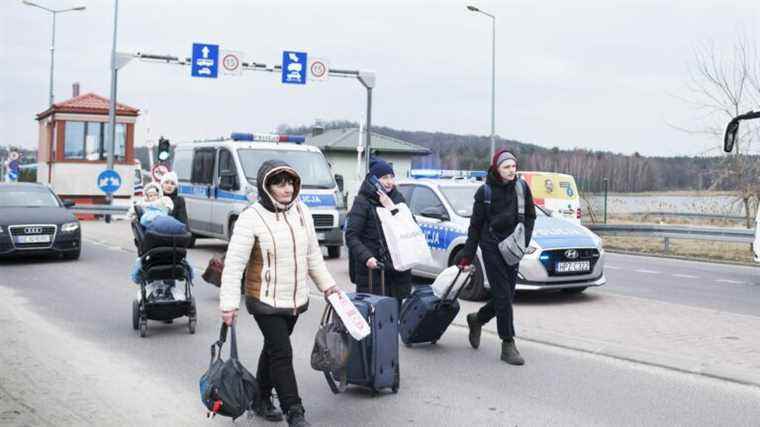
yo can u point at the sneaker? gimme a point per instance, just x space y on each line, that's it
510 354
264 408
475 329
296 416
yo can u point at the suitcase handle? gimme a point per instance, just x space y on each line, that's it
381 267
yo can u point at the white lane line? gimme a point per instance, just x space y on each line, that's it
733 282
647 271
685 276
612 267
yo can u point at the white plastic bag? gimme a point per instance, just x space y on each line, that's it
352 319
444 281
407 244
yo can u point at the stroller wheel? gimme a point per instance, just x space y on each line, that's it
135 314
143 328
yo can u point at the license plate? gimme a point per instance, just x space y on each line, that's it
321 236
42 238
573 267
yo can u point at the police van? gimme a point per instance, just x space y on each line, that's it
217 178
562 255
556 192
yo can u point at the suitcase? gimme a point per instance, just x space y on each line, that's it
374 361
425 317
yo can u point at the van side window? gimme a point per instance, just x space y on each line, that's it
226 162
183 164
203 166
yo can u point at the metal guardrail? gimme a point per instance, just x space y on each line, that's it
667 232
100 209
691 215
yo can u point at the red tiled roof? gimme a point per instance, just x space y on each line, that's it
87 104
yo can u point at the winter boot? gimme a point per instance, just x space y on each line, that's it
296 416
510 354
264 408
475 329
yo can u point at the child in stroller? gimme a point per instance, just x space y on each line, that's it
161 243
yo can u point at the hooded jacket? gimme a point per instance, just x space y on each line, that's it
365 240
276 247
489 227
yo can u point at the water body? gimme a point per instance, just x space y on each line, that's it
623 204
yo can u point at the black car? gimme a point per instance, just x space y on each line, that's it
34 220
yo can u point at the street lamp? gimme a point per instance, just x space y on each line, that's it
52 44
493 76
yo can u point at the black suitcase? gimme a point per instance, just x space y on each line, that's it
425 317
374 361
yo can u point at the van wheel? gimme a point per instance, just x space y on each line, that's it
333 251
475 291
231 228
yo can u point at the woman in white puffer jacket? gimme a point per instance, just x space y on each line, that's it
274 249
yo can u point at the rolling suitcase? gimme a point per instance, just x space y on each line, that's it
425 317
374 361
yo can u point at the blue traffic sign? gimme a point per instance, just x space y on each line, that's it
294 67
205 60
109 181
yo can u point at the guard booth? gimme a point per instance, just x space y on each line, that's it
72 149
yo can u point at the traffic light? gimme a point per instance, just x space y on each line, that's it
164 149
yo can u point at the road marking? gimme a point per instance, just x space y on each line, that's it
733 282
686 276
647 271
612 267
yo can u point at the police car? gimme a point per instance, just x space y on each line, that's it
217 178
562 255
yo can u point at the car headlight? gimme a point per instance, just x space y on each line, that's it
597 241
70 226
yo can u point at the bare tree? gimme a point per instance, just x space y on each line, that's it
723 84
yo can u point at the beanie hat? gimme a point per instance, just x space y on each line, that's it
169 176
153 187
502 156
379 168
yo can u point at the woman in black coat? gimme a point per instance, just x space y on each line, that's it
170 187
491 222
364 235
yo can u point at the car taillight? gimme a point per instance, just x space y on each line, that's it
578 214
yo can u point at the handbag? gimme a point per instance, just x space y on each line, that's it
332 345
405 240
512 248
213 273
227 388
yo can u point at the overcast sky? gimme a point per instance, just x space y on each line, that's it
603 75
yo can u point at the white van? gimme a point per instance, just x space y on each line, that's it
218 180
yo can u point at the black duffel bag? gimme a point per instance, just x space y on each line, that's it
227 388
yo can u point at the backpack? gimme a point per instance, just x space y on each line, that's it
519 190
227 388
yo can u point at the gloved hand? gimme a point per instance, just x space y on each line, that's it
465 261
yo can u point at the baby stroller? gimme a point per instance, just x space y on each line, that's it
163 268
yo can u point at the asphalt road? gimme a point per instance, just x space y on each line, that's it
446 384
725 287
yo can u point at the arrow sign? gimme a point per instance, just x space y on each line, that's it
205 60
109 181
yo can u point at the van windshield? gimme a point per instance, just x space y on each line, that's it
313 168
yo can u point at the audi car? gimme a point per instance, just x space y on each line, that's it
34 220
562 255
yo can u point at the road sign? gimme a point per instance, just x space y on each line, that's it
158 170
318 69
205 60
232 63
109 181
294 67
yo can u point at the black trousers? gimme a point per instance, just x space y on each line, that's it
502 277
276 361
